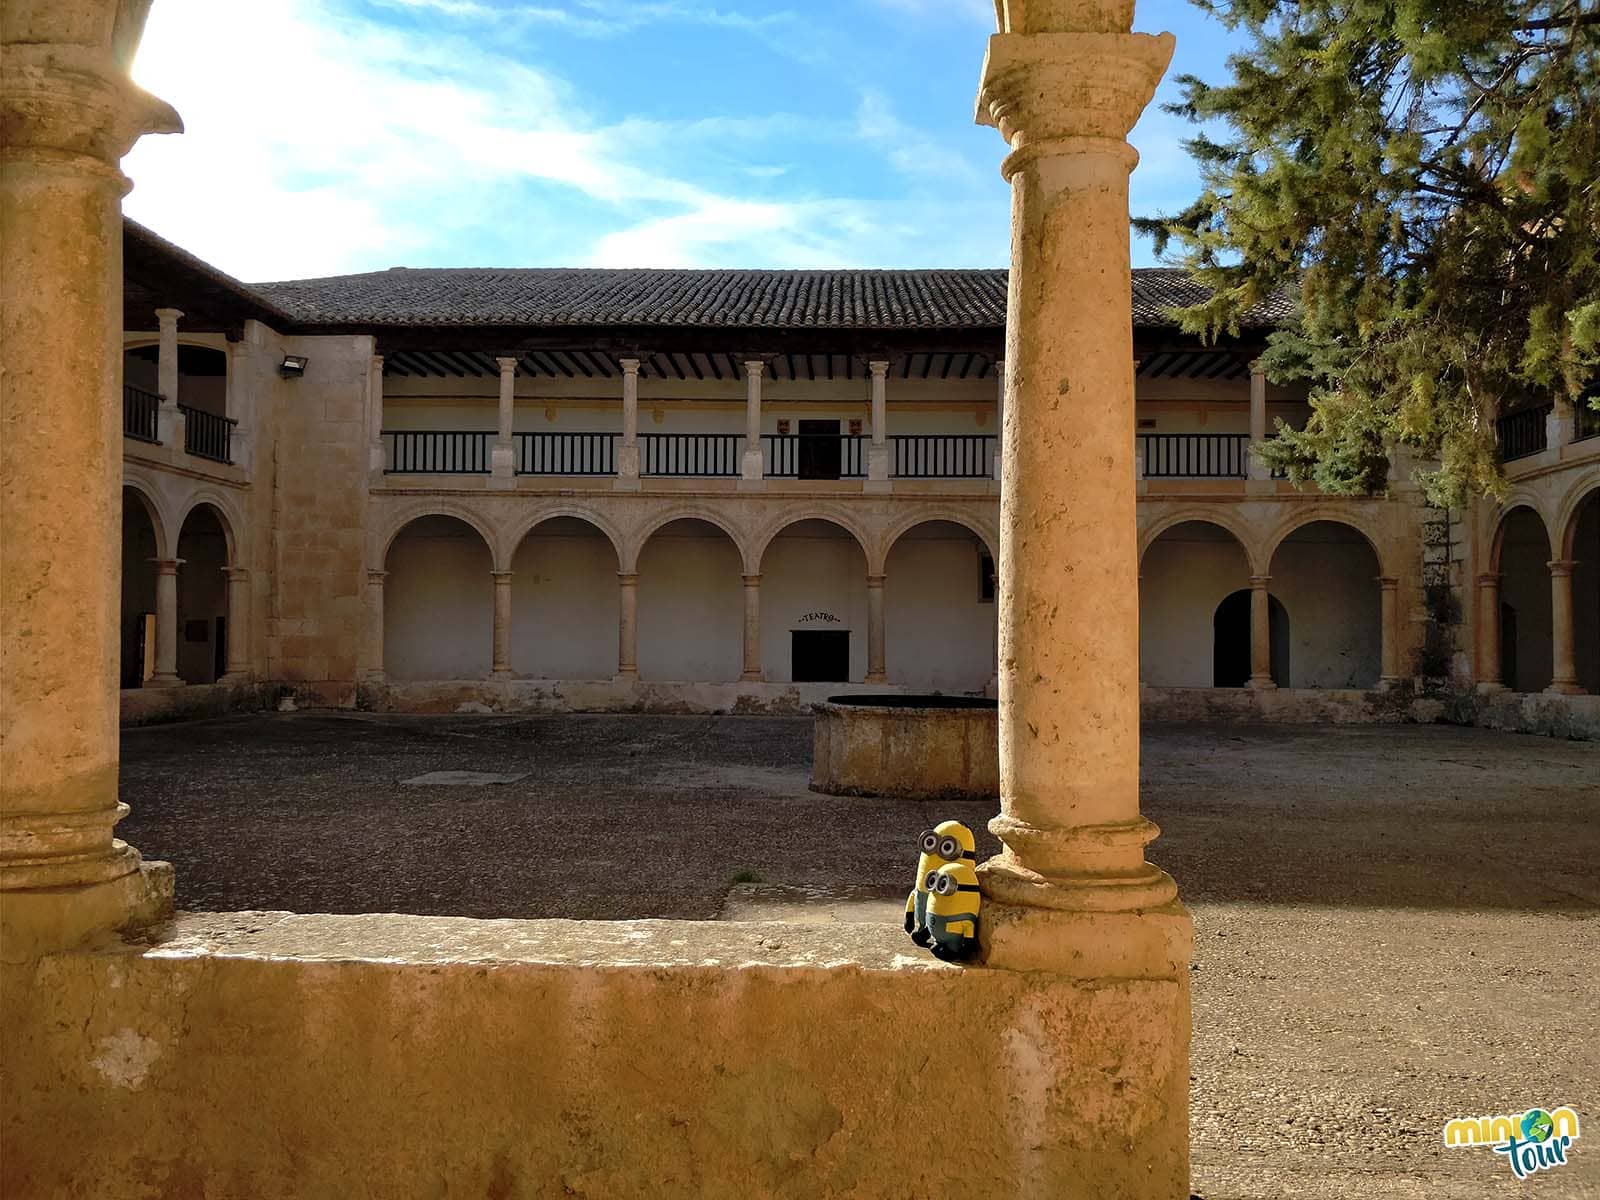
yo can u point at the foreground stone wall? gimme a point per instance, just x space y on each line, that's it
266 1055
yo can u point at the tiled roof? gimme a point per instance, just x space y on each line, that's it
559 296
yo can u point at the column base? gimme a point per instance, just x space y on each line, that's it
1388 683
39 921
752 677
165 681
1154 943
628 675
876 677
625 483
1260 683
1491 687
1565 688
502 673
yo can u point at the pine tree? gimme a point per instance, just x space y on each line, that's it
1421 175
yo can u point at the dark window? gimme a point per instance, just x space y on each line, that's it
819 450
820 656
986 578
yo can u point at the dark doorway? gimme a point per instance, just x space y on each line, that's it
1231 641
819 451
820 656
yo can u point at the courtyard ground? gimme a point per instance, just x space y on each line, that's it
1393 925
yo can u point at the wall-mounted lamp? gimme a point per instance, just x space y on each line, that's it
293 366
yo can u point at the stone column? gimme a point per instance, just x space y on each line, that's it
503 458
166 672
628 453
1488 664
69 113
1564 677
752 629
878 451
1260 633
1388 631
999 416
1064 86
169 422
1560 425
238 625
374 667
751 471
628 627
875 633
1254 467
375 455
501 668
1071 897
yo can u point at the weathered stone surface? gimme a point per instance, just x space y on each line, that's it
908 750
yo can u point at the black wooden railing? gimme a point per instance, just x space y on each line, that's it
1520 434
206 435
140 413
689 453
814 455
1587 424
566 453
438 452
1195 455
941 455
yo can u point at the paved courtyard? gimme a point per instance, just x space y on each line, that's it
1393 925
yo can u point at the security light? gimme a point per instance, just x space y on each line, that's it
293 366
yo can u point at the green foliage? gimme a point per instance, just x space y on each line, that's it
1422 176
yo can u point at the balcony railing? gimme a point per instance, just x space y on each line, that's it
207 435
140 411
1587 420
1195 455
1520 434
438 452
941 456
814 456
689 454
566 453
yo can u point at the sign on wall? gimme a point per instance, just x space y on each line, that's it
819 617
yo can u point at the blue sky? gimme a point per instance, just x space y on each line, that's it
326 136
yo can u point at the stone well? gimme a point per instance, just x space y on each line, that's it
911 747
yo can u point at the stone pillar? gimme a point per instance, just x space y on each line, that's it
1564 677
878 451
1388 631
238 625
1487 667
1260 633
751 471
374 667
1071 895
628 453
875 633
375 455
628 627
503 458
1254 467
166 672
169 422
1560 425
752 629
501 667
69 113
999 416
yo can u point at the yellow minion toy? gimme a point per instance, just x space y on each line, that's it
948 842
953 902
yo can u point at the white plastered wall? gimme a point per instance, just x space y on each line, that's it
1325 575
438 602
940 634
564 602
1187 571
813 576
691 605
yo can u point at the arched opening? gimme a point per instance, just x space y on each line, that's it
1526 659
202 375
564 602
1584 549
691 604
814 605
438 602
1230 649
1185 574
202 596
939 609
139 547
1326 574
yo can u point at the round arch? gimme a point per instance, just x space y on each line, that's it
690 600
814 620
1580 545
1209 515
438 599
205 550
886 542
435 508
577 513
1325 569
1189 566
565 602
642 536
227 517
152 509
143 541
1516 502
832 516
1571 512
1340 516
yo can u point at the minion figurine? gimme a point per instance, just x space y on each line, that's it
953 901
948 842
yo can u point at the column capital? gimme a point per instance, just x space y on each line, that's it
236 574
755 368
876 581
377 362
1260 581
1256 368
169 316
67 97
502 576
166 566
879 367
1387 582
376 576
628 578
1562 566
1489 579
507 363
751 580
630 366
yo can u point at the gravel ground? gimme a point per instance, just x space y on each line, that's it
1393 925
